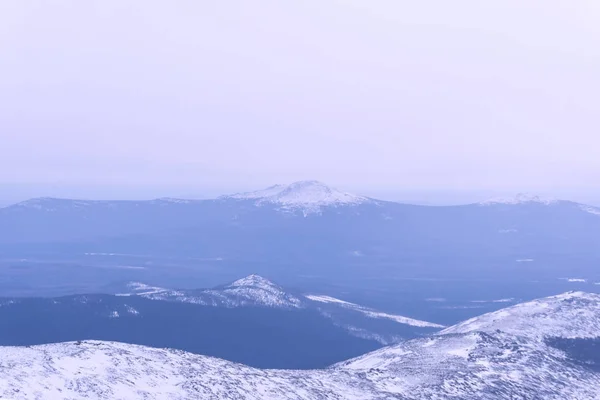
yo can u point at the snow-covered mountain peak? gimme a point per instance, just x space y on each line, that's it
309 196
521 198
256 290
314 192
256 281
568 315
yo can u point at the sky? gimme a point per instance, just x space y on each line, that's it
378 95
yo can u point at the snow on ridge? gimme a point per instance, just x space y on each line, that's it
327 299
520 198
475 366
141 289
507 300
373 313
573 314
310 196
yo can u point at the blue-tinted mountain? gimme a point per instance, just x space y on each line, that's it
307 225
250 320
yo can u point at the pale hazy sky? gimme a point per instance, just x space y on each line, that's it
375 93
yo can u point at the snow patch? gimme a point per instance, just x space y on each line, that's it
327 299
590 209
132 310
373 313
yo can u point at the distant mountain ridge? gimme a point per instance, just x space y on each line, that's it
296 193
307 224
457 364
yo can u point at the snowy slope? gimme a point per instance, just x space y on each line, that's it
116 371
568 315
307 196
371 313
476 366
496 355
467 362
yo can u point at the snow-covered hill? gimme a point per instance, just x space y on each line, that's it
306 196
116 371
481 362
252 290
256 291
477 365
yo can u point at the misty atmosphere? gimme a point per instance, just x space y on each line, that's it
299 200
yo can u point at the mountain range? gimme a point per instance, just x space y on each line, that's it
251 320
528 351
285 229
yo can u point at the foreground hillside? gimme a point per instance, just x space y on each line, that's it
474 360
